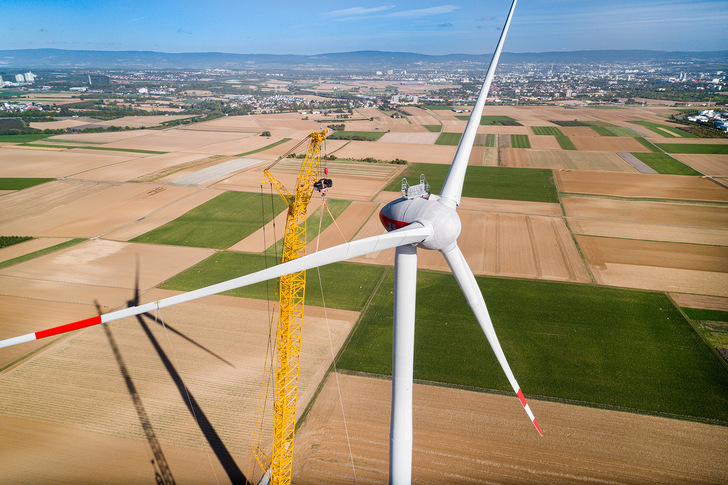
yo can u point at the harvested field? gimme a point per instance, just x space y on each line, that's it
235 124
452 444
106 137
162 216
714 165
660 266
29 246
641 185
141 168
565 159
72 208
352 180
411 138
607 144
477 156
176 140
220 364
103 263
503 244
700 301
544 142
389 151
646 212
16 162
140 121
215 172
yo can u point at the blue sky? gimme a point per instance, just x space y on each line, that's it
422 26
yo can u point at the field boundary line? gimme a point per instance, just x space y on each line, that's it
553 399
576 243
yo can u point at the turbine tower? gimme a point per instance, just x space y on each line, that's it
416 220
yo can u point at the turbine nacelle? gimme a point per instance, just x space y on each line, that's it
432 212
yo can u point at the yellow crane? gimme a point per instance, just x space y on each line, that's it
291 293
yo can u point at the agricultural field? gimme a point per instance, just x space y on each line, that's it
572 247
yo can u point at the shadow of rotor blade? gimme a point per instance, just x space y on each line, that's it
169 327
164 474
208 430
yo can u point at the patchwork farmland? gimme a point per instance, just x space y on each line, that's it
598 275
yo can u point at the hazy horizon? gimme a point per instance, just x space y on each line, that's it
423 27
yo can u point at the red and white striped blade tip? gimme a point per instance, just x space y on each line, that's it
528 411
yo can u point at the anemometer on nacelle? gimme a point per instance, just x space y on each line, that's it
413 191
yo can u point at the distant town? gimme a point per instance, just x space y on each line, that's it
335 92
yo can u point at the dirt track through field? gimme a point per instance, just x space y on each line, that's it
465 437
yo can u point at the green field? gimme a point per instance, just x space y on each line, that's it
565 142
433 128
279 142
493 120
218 223
356 135
712 149
546 130
509 183
665 164
21 183
520 141
346 285
437 107
607 346
604 130
491 140
21 138
449 139
665 130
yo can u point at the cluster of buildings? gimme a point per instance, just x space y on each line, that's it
18 79
21 107
719 118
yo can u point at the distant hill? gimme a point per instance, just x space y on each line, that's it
361 60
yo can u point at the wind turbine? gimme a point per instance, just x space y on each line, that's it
416 220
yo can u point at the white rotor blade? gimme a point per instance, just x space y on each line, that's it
453 187
412 234
471 290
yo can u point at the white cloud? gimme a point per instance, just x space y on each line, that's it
358 11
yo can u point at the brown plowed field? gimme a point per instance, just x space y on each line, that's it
468 437
641 185
654 265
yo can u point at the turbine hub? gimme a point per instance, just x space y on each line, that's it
431 212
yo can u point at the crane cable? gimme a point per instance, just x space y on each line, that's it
328 329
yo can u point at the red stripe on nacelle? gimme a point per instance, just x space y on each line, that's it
68 327
391 224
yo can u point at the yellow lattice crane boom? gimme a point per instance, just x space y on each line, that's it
291 293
